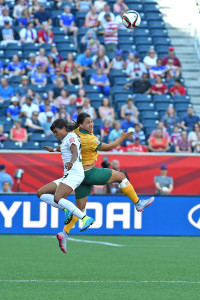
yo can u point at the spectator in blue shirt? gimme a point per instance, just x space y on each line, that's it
138 133
127 123
115 132
6 91
159 69
1 68
15 67
190 119
22 89
31 65
39 77
42 16
25 18
14 109
101 81
46 101
4 177
67 22
47 124
84 61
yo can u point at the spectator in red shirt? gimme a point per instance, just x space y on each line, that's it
105 129
158 143
183 145
136 147
45 35
171 54
177 89
159 87
110 34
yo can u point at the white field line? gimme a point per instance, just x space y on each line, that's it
100 281
111 244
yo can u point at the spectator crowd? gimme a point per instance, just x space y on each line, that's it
65 60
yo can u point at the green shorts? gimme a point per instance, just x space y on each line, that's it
94 176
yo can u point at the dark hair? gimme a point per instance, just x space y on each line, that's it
178 80
81 117
60 123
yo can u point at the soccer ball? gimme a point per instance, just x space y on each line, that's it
131 19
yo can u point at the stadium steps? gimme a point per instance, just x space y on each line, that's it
183 41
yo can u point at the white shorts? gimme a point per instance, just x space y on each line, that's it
71 179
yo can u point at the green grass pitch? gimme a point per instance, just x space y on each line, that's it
143 268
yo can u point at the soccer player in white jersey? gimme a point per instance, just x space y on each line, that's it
56 192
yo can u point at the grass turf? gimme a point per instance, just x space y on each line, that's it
140 259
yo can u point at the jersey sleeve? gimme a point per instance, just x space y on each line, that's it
73 139
95 144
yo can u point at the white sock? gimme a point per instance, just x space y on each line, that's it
65 233
71 207
124 183
49 199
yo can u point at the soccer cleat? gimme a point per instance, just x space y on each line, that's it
87 222
62 241
68 216
142 204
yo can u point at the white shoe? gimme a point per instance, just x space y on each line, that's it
140 206
62 239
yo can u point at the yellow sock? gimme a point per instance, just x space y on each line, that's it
129 191
69 226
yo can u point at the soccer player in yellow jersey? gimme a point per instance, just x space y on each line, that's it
90 145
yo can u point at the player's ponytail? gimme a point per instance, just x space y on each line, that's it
60 123
81 117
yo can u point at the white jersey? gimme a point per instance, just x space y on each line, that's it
70 139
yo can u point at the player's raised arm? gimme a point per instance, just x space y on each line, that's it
108 147
50 149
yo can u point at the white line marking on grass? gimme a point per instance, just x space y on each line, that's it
100 281
96 242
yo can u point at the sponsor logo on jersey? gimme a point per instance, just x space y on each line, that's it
97 141
72 140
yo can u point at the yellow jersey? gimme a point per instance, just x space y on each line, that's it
89 146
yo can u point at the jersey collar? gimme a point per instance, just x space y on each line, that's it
84 131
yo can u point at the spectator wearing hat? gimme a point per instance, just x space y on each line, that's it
136 146
41 59
171 55
135 69
177 89
33 124
158 69
101 81
74 78
4 177
6 91
31 64
117 62
100 60
190 119
38 77
3 136
142 86
84 61
150 59
47 124
45 35
183 144
163 183
28 34
131 109
42 16
115 132
14 109
110 34
18 133
159 88
29 107
137 133
67 22
101 16
158 143
15 67
22 89
4 17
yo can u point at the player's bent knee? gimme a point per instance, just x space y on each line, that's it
122 176
39 193
56 199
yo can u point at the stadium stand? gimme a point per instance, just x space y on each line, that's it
151 34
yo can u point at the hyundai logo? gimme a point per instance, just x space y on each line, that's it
190 214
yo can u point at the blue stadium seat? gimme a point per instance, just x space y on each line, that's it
15 79
125 40
118 90
31 46
162 41
142 97
80 18
37 137
116 73
14 46
88 74
121 97
90 88
158 32
50 144
127 48
143 49
121 80
181 99
96 104
141 32
136 6
150 7
162 98
96 97
170 82
10 52
57 30
149 115
162 48
73 89
4 119
145 40
148 130
181 107
31 146
156 24
124 33
149 123
161 106
52 138
144 24
60 39
7 126
142 106
12 145
153 16
2 54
